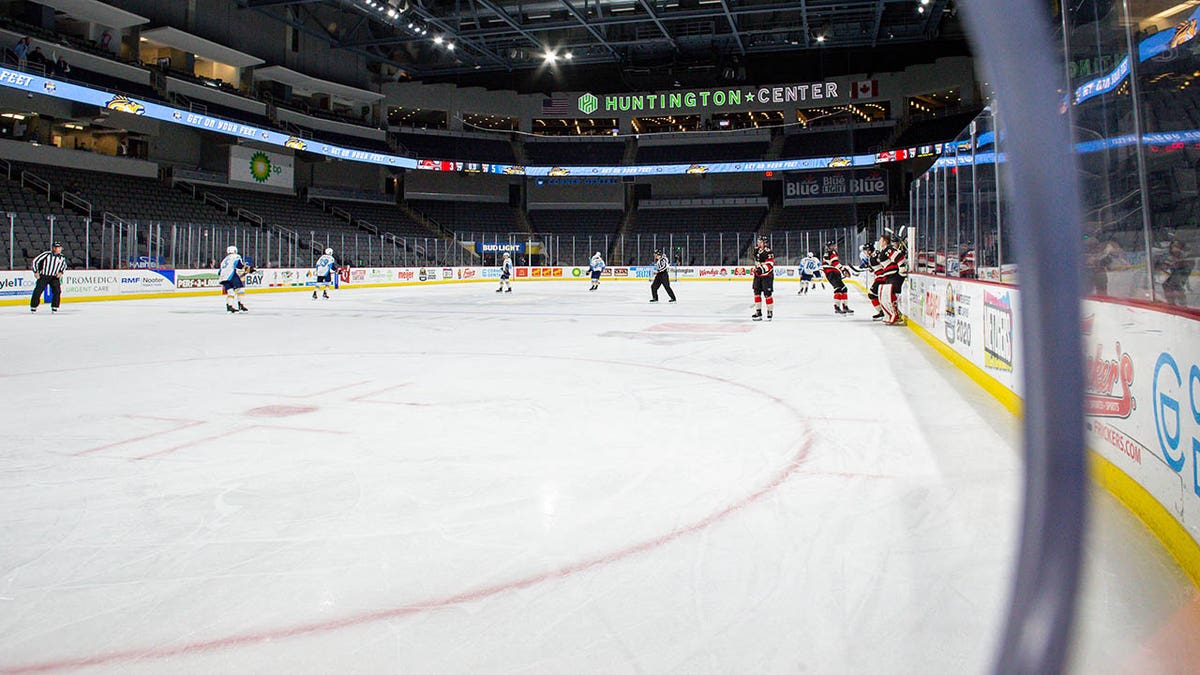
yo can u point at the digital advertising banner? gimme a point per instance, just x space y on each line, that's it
260 167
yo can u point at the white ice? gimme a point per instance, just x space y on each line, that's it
446 480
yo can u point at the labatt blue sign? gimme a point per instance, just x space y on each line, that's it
870 184
590 104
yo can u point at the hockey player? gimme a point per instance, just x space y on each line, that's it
832 268
230 276
887 268
326 268
764 279
871 262
506 272
662 276
596 266
901 269
808 267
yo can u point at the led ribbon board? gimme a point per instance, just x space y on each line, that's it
136 106
73 92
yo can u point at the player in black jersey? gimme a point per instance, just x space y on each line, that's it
833 268
887 268
870 259
764 279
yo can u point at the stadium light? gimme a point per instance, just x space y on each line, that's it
438 40
549 57
568 56
450 46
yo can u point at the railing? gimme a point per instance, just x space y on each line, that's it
210 198
296 130
342 213
6 167
77 202
249 216
32 182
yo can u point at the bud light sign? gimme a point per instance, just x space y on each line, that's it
498 247
836 186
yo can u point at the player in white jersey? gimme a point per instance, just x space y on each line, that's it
326 268
506 272
596 266
809 265
230 276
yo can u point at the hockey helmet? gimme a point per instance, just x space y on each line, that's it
231 250
328 251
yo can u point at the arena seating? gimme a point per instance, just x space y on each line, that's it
934 130
130 198
284 210
578 222
589 153
468 216
388 218
429 146
31 226
708 152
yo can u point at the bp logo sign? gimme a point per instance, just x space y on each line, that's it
261 167
588 104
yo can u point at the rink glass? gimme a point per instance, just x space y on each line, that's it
1137 136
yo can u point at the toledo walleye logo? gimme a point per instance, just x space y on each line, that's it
125 104
1184 32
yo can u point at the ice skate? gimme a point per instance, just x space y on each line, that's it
756 316
847 310
230 309
770 315
508 290
877 316
838 309
242 307
314 295
325 294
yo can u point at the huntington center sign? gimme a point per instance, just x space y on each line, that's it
589 104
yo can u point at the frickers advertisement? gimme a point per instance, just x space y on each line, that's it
1142 383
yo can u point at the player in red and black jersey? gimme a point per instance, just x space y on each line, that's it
833 269
764 279
886 275
870 262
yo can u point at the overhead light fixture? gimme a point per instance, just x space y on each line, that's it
437 40
820 38
549 57
568 56
450 46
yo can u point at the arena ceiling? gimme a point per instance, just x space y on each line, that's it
429 39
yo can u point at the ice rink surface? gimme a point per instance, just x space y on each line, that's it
446 480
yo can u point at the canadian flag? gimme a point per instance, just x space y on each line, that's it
865 89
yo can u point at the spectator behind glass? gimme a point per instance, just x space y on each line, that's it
1177 266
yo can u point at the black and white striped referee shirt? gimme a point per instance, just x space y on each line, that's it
50 264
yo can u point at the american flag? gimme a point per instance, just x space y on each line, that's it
555 106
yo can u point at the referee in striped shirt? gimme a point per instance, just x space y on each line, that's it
49 268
